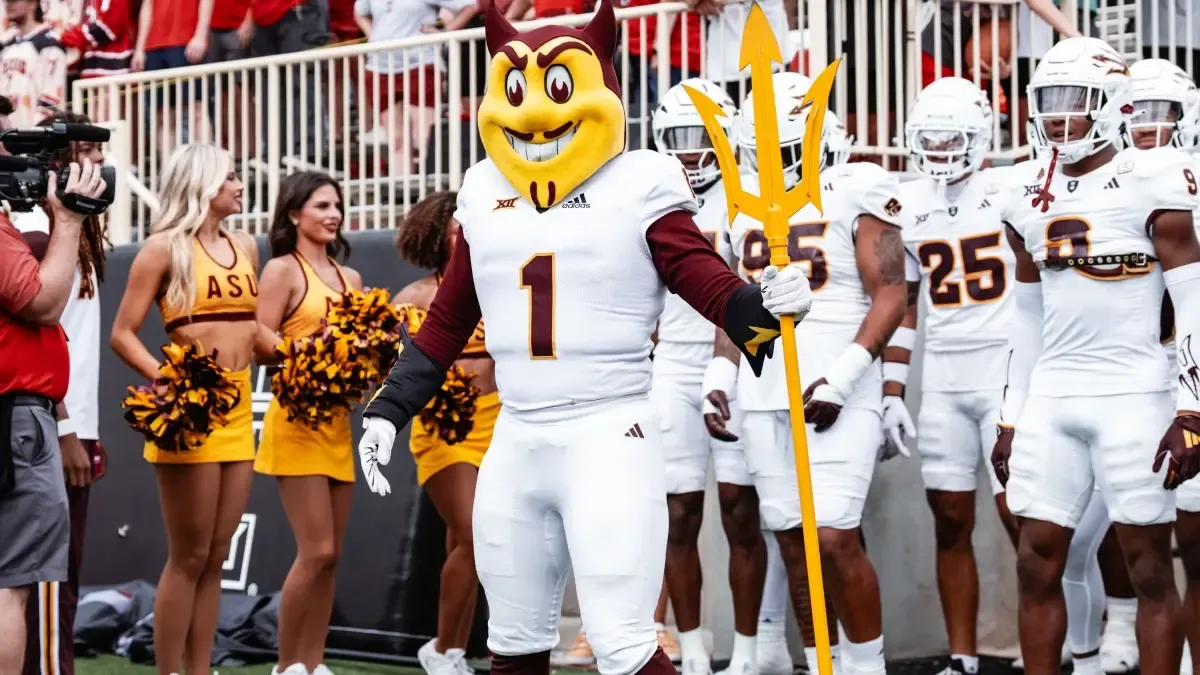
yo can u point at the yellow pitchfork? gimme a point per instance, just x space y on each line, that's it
773 206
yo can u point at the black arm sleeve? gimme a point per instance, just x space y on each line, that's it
410 385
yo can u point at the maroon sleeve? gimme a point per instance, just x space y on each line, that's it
454 313
689 266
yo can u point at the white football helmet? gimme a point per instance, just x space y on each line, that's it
792 116
1164 97
679 131
1079 78
949 129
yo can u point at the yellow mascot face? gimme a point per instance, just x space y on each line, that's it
552 114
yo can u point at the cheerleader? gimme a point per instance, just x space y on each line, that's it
447 470
314 468
203 279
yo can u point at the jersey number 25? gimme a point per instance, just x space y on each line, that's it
983 275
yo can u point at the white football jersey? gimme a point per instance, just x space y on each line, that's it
685 338
571 295
33 75
1101 330
824 244
966 269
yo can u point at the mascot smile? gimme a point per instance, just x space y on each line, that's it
552 113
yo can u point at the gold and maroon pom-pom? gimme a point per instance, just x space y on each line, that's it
321 377
452 410
191 396
368 320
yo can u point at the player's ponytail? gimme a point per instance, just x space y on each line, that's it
424 235
192 178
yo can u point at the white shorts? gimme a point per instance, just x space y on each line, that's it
593 486
1187 496
686 443
1065 446
842 459
955 430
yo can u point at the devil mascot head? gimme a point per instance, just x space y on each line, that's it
552 114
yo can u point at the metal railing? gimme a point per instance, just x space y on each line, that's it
393 139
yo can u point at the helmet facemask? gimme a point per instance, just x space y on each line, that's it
1070 118
945 153
693 148
1155 123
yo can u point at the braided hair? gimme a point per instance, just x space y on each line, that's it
423 239
94 235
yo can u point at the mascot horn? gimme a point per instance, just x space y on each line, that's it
552 115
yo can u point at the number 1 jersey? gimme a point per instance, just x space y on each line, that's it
824 244
1102 323
570 296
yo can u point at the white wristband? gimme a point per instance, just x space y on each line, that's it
720 375
848 368
894 371
904 338
66 427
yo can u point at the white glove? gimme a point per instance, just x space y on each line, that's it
786 291
897 424
374 451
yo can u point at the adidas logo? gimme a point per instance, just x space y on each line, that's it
579 201
635 432
986 204
1112 184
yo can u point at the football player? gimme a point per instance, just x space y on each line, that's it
566 247
1167 113
1098 233
956 251
683 352
854 256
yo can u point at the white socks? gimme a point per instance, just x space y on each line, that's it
866 658
745 653
835 654
1122 612
773 609
691 646
1089 665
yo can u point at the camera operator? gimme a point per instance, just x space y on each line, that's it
50 615
34 373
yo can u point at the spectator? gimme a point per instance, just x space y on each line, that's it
230 33
100 43
33 66
173 34
1040 24
34 373
345 30
53 608
413 75
284 27
683 61
724 26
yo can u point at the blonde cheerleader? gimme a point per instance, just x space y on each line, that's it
314 468
448 454
203 279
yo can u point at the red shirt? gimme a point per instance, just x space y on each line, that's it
545 8
638 46
341 20
228 14
267 12
34 359
172 23
104 38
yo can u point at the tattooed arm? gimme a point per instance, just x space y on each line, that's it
880 255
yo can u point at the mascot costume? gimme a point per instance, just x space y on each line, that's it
566 247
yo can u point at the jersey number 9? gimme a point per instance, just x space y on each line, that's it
983 276
756 255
